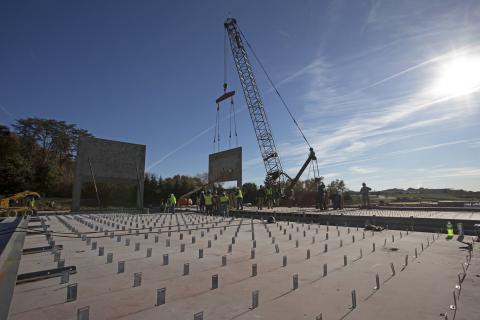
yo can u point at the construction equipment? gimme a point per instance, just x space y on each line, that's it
263 132
19 204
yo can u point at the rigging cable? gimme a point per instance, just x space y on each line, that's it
234 122
274 87
225 61
216 134
230 134
316 171
218 127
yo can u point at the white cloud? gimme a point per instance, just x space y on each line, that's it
454 172
434 146
252 162
331 175
359 130
363 170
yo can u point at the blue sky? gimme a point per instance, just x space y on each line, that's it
370 82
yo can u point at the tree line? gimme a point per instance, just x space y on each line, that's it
39 155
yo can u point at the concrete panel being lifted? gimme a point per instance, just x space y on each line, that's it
225 166
111 162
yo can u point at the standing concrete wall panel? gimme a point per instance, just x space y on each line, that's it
225 166
111 162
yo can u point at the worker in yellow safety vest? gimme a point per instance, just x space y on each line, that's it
239 197
173 203
449 229
209 202
224 204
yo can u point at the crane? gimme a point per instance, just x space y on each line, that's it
263 131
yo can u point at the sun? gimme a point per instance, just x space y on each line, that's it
460 75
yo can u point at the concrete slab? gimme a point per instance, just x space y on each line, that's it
422 289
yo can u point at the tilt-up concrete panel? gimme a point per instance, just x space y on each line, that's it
225 166
111 162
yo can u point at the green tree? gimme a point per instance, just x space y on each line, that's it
338 185
39 156
306 185
249 192
15 172
54 139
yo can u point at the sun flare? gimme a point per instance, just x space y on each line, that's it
458 76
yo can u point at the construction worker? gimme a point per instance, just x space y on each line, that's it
224 204
321 196
269 195
260 197
173 202
336 199
276 197
364 191
209 203
239 198
216 202
202 201
449 230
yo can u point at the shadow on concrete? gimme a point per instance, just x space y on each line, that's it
283 295
241 314
346 314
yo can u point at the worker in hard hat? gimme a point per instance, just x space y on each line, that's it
321 196
173 203
209 202
449 230
224 204
365 192
239 198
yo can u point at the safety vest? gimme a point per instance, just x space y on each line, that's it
239 194
208 200
173 200
224 199
449 229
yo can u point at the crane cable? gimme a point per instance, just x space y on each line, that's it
274 87
225 61
234 121
230 133
314 164
232 105
216 134
232 116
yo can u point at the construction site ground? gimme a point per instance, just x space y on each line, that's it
331 262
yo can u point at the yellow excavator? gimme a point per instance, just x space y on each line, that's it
19 204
